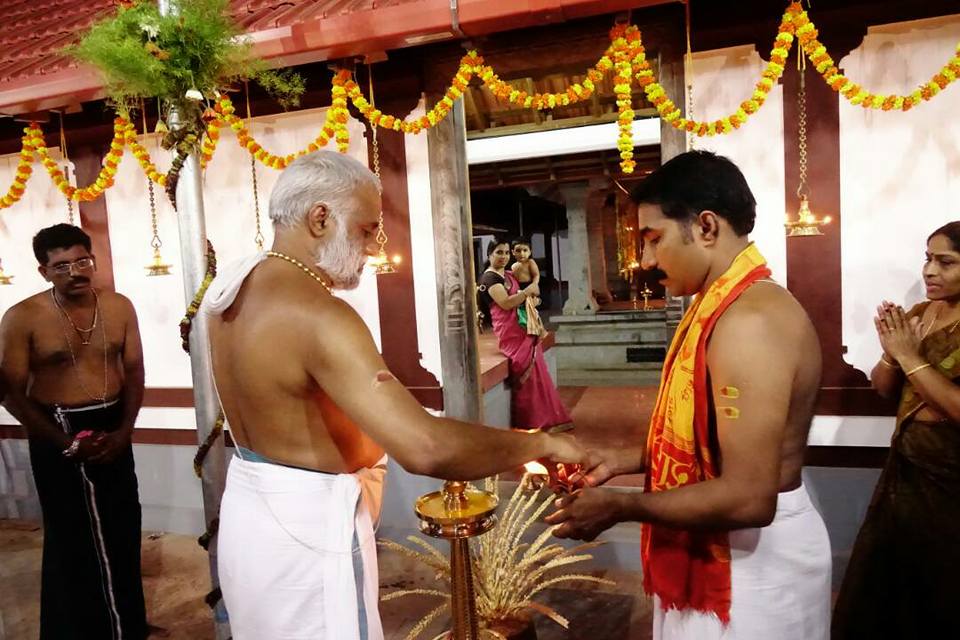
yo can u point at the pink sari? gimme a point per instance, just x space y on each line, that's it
535 402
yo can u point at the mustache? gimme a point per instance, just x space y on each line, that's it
657 274
79 280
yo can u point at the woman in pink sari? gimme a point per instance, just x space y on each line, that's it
535 402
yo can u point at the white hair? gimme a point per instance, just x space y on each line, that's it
321 176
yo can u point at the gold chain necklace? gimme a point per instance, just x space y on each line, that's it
73 356
84 334
307 270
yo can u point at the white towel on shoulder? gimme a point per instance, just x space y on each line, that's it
225 287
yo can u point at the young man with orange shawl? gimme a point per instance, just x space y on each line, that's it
732 547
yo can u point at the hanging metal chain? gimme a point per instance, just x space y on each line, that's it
258 237
155 241
66 167
381 262
381 234
802 135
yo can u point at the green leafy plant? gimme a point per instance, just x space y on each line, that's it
184 58
507 573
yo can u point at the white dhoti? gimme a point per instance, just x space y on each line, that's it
297 555
780 582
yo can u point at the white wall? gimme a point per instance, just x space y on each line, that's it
421 245
900 173
41 206
228 200
721 80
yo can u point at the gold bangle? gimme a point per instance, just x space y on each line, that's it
915 369
887 363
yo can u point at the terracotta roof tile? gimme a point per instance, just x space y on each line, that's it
33 31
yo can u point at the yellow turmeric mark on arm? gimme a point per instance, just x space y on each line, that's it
729 392
730 413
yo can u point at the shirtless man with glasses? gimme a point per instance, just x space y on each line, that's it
74 365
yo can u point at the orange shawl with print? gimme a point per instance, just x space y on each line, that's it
689 569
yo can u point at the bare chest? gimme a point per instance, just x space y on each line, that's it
58 341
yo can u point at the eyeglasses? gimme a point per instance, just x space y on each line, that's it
80 265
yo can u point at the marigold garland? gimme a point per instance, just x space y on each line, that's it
24 170
104 179
625 57
817 54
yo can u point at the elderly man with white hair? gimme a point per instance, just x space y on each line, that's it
313 409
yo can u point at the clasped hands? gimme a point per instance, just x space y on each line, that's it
899 336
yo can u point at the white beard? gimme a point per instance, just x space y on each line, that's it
342 258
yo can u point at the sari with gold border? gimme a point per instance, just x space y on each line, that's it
902 579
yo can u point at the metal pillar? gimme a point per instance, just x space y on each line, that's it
193 252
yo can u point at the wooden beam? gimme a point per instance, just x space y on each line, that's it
456 285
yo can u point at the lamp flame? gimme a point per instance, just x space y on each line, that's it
535 468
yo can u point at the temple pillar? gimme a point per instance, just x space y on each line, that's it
456 285
580 300
596 243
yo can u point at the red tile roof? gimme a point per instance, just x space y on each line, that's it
34 76
32 32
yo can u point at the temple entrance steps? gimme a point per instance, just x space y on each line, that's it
622 348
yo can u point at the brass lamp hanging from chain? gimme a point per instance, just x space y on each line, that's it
806 223
158 267
4 277
380 263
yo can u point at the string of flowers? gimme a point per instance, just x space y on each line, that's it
336 120
143 157
104 179
208 145
854 93
23 171
623 63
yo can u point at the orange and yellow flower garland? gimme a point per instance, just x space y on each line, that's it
807 35
143 157
107 173
23 172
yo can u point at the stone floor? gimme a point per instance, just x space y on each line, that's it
176 578
611 417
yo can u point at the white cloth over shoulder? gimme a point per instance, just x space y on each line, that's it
225 287
780 582
297 556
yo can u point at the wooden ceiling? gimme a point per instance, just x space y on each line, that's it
489 116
